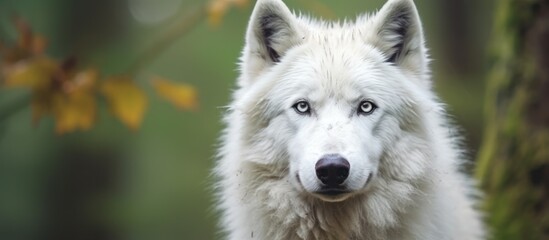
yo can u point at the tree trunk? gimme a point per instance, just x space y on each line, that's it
513 165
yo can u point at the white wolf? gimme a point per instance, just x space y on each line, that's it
335 133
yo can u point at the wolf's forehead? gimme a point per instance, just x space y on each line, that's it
339 46
327 77
344 72
335 37
333 63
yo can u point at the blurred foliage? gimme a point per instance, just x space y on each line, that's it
70 95
150 179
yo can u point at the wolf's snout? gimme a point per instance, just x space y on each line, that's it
332 170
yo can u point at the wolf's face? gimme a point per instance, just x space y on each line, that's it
333 99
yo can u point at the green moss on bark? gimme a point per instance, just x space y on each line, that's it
513 165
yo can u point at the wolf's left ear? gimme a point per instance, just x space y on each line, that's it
272 31
399 35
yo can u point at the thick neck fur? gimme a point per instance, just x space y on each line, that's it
275 204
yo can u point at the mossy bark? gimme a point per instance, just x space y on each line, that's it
513 165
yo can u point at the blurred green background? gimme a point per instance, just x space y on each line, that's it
155 183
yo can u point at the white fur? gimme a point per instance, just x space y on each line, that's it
266 168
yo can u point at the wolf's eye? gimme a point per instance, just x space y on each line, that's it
302 107
366 107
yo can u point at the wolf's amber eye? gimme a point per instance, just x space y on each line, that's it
302 107
366 107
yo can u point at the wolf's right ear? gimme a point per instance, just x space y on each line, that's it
272 31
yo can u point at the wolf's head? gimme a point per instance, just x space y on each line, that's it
335 105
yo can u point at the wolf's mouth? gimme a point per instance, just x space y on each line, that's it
332 191
333 194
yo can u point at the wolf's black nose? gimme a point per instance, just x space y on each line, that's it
332 169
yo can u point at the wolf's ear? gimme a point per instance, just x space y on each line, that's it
399 35
272 31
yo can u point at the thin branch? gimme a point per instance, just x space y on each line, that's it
180 28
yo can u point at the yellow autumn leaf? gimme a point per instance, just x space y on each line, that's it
126 100
73 111
216 11
35 73
73 105
218 8
183 96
